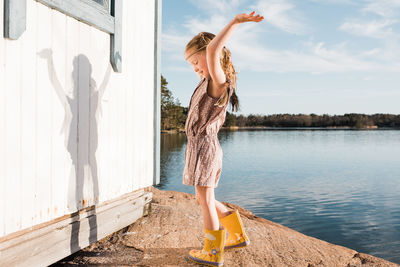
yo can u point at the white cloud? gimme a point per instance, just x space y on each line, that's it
171 41
313 58
173 45
385 8
213 24
335 2
282 15
374 29
213 6
383 30
250 51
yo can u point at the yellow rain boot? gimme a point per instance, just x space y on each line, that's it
237 238
213 250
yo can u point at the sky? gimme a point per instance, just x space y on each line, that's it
311 56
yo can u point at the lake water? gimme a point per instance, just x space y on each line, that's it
341 186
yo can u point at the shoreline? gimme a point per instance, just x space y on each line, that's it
251 128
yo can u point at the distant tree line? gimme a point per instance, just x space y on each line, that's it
312 120
173 117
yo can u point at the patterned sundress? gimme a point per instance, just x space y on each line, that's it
203 154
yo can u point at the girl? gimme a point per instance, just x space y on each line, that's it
203 155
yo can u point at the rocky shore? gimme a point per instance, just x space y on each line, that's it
174 226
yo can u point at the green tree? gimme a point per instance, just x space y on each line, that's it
172 114
230 120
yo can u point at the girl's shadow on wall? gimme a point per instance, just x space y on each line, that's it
80 129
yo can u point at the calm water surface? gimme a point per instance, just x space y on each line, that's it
341 186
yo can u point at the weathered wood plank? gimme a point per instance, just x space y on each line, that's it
85 81
70 127
98 53
157 90
44 98
27 74
86 11
2 129
12 110
116 37
51 242
14 18
59 91
14 238
142 49
130 130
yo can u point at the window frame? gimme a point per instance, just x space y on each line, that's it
105 17
87 11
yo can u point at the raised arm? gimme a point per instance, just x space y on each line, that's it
103 85
48 55
214 49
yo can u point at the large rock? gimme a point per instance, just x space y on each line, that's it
175 225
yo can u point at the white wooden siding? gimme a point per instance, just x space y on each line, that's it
41 122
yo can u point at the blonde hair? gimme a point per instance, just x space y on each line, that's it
199 43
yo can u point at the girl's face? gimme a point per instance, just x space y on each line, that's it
198 61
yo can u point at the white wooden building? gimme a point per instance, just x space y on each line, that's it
79 122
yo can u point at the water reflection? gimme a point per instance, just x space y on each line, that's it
339 186
172 161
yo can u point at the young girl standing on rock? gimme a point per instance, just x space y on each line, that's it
211 61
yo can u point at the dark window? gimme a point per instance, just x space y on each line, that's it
104 3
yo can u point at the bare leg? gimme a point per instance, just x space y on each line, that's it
222 211
206 199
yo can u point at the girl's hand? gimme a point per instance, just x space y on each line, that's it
240 18
45 53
